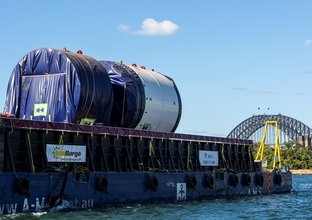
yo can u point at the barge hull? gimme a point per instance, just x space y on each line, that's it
45 190
112 166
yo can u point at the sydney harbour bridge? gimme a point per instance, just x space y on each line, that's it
290 129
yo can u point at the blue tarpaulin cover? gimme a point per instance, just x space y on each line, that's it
60 86
129 95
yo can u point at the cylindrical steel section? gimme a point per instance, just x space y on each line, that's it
143 99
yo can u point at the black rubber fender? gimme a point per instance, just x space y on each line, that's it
258 179
277 179
152 183
246 179
22 185
233 179
191 182
102 183
209 181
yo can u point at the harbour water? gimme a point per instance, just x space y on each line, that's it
295 205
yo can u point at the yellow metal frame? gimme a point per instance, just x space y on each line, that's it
277 151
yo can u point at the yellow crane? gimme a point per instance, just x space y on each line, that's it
277 152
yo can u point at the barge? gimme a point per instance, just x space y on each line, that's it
78 133
48 165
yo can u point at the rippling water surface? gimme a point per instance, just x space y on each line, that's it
295 205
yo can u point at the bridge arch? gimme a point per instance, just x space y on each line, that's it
293 128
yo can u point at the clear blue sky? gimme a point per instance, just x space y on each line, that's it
227 57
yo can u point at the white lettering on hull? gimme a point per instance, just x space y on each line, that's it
10 208
40 204
87 203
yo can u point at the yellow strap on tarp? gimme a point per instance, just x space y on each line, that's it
224 160
61 141
151 149
30 153
250 159
152 152
189 161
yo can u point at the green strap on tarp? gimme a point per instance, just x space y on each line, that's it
87 121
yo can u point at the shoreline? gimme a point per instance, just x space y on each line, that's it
302 172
